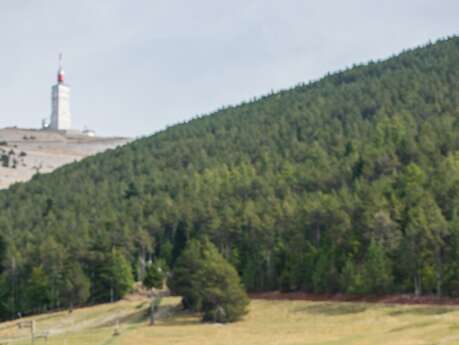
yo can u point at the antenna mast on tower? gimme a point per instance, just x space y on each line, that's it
60 73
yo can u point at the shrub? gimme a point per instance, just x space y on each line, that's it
208 283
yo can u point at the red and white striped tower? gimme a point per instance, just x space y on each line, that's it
60 102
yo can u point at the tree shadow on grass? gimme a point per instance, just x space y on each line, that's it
412 326
177 316
430 310
181 321
332 309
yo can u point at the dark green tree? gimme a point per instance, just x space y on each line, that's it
38 290
118 275
351 280
325 278
209 284
377 270
3 249
75 285
180 240
155 275
182 280
5 311
423 243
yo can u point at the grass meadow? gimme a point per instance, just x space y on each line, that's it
268 323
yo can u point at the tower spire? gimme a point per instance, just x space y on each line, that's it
60 73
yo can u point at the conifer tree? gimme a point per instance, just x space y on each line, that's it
180 240
2 254
38 290
118 275
377 270
155 274
75 285
208 283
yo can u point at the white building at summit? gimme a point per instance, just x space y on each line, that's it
61 119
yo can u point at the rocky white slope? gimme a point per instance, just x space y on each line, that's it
23 152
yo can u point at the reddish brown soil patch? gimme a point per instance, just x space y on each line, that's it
386 299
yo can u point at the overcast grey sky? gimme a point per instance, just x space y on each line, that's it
136 66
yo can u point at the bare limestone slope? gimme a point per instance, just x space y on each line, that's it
23 152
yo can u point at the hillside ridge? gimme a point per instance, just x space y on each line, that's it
346 185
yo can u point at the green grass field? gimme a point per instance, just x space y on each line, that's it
269 322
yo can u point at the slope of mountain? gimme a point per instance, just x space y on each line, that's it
24 152
348 184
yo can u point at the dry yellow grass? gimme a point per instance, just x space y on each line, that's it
268 323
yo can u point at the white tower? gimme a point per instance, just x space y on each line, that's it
60 102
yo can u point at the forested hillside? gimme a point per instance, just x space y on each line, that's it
348 184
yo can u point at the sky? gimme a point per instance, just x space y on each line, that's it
136 67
